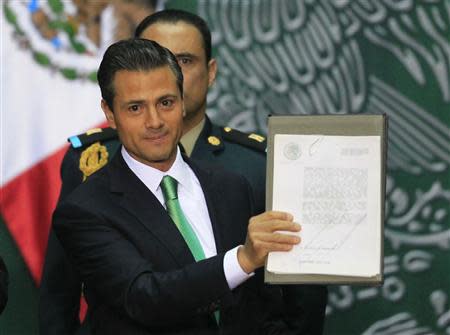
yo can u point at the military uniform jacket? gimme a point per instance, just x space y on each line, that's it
237 152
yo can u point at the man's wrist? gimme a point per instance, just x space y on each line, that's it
244 261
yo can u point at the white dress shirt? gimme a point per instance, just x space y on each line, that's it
193 204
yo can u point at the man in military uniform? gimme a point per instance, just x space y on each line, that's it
189 38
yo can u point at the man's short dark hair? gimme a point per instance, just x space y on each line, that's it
174 16
134 54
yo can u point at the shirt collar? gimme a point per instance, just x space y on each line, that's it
152 177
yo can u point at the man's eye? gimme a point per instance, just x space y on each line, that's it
133 108
184 60
167 103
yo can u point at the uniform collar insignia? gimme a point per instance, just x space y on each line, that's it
213 140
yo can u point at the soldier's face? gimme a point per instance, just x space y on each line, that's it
185 42
148 115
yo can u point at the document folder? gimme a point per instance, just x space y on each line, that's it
321 166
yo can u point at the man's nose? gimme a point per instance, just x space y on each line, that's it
153 119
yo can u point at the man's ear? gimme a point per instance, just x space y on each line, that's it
212 71
108 114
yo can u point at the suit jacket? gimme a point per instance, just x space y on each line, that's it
304 308
139 274
60 290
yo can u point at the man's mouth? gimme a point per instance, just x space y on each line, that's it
156 137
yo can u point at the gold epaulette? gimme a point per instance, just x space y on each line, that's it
94 155
92 159
254 141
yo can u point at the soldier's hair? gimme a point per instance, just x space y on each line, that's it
151 4
174 16
134 54
148 3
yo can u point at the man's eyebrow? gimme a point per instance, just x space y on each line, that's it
133 102
185 54
169 95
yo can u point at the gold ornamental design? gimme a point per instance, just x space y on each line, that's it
93 159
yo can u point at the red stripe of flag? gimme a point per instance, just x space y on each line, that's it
27 203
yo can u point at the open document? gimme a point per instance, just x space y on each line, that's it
331 184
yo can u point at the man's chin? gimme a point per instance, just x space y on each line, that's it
161 158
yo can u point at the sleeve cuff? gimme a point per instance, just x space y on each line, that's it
234 274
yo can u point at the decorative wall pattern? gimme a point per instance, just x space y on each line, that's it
361 56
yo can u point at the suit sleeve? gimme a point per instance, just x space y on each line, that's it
60 289
114 269
305 308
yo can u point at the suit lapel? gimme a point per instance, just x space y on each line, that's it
138 200
212 192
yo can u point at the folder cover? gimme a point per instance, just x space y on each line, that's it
330 172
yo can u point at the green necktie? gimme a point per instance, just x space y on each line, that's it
169 187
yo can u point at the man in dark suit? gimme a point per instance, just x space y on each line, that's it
189 38
3 285
180 271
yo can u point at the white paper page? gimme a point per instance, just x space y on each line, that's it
331 184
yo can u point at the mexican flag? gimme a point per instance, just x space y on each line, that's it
48 93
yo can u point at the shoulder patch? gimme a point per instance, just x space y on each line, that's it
92 136
92 159
254 141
